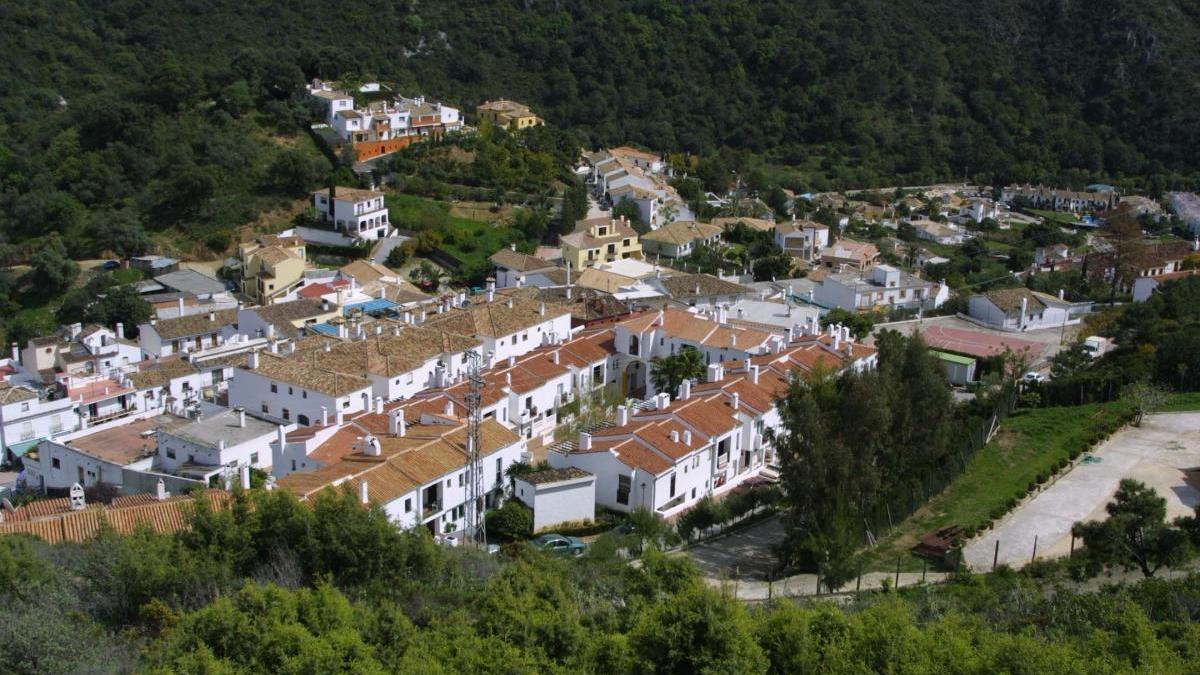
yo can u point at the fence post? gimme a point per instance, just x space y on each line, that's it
995 555
1034 556
897 572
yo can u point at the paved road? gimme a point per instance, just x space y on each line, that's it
749 552
1157 453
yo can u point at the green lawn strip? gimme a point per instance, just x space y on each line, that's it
1030 443
471 241
1182 402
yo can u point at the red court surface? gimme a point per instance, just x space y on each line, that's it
978 344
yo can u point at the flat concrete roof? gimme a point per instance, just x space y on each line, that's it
126 443
191 281
224 426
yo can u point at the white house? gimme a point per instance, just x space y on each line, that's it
210 445
1021 309
557 496
885 286
362 214
27 417
506 326
191 333
97 456
941 233
680 238
802 239
287 390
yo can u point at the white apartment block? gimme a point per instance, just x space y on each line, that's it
361 214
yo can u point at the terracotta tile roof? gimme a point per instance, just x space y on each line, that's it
693 328
682 286
495 319
349 193
683 231
283 314
195 324
1009 300
366 272
517 261
309 375
55 524
760 224
273 255
160 373
601 280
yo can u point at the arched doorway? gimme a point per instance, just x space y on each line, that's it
633 379
302 420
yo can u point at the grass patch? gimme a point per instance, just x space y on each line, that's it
1182 402
127 275
471 241
1030 443
1055 217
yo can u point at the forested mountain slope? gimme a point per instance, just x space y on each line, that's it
167 103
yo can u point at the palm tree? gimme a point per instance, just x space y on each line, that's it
670 371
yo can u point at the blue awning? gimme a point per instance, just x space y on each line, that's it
323 328
376 306
19 449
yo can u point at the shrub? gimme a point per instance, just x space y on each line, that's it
1041 477
512 521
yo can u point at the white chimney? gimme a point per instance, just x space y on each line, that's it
622 416
281 437
378 405
180 306
512 361
716 372
846 333
120 331
269 331
449 408
542 309
370 446
674 436
160 490
252 360
837 341
753 370
328 347
687 437
341 417
244 473
685 390
1062 293
662 400
324 416
364 493
737 400
396 423
585 440
241 418
554 356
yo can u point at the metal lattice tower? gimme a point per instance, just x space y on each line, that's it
476 532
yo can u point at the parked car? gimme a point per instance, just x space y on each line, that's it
560 544
110 265
1033 377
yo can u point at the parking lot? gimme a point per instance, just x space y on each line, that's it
1163 453
747 554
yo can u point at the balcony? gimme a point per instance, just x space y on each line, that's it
430 509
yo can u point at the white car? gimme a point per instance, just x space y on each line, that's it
1033 376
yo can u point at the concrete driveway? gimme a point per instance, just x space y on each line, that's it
748 553
1159 453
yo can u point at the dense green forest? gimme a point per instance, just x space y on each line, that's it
121 118
272 585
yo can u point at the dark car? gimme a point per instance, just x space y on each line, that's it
560 544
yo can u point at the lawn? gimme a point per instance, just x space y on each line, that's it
1055 217
1029 443
127 275
471 241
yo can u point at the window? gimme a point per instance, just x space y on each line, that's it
265 409
462 479
693 493
623 486
408 505
293 465
303 394
274 388
25 407
254 458
499 470
672 492
289 391
55 463
286 414
170 453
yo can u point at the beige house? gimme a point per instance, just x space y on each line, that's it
273 270
600 240
509 114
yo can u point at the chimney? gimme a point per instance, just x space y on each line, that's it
509 303
585 440
397 426
542 309
328 347
364 493
269 331
622 416
160 491
1062 293
508 379
737 400
179 304
674 436
846 333
687 437
212 316
244 472
512 361
1024 310
449 410
753 370
837 341
324 416
378 405
252 360
685 390
554 356
370 446
341 417
120 331
241 418
491 295
716 372
662 401
221 444
281 437
568 278
342 332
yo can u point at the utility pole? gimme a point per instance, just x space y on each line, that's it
476 532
